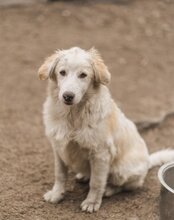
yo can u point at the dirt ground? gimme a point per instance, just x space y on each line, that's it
136 39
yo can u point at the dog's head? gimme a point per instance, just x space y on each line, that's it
75 71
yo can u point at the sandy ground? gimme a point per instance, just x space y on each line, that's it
136 39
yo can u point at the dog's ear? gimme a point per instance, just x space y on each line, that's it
47 69
101 73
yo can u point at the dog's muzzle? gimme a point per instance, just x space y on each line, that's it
68 98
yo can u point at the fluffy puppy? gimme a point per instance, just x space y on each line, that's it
88 132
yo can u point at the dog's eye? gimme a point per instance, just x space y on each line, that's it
62 72
82 75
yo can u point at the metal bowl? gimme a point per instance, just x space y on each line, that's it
166 178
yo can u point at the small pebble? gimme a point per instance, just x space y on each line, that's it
66 13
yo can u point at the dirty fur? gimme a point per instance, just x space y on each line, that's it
91 136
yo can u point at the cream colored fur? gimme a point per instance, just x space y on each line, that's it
91 136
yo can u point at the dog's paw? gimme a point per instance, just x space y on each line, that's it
53 196
90 206
80 178
112 190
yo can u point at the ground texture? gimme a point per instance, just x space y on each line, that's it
136 39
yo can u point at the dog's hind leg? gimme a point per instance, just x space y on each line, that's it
134 184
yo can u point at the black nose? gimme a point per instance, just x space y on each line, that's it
68 96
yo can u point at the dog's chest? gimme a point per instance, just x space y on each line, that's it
85 137
86 127
82 129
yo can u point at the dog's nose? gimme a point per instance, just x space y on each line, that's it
68 96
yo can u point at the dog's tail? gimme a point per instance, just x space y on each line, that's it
160 157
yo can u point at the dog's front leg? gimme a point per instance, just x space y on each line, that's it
57 193
99 173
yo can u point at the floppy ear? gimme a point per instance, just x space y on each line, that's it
47 69
101 73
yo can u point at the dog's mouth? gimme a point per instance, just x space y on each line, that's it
68 103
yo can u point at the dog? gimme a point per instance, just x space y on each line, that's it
88 132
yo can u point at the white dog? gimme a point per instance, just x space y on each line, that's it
88 132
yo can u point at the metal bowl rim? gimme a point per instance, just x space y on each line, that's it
161 172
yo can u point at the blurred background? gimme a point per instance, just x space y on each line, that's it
136 40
